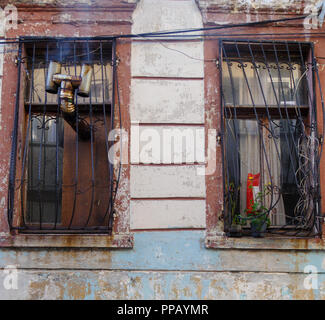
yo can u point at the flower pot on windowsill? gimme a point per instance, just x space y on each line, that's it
258 228
235 230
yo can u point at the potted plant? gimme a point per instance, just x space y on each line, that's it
258 214
236 226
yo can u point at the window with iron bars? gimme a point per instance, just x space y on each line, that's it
271 143
62 181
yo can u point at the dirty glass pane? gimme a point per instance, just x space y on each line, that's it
281 85
44 169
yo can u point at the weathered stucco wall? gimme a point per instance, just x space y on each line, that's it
168 202
164 84
163 265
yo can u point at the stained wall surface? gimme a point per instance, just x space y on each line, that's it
172 86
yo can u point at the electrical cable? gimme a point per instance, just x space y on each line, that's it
158 33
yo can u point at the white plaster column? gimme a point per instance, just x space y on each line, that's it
167 93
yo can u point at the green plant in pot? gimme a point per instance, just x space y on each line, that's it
236 225
258 214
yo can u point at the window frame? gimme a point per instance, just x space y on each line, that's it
311 113
120 236
215 237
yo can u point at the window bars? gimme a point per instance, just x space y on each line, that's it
271 143
64 180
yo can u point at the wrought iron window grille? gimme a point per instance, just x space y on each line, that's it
62 180
271 102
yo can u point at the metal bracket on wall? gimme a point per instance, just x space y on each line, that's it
116 62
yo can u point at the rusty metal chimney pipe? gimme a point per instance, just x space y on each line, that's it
68 84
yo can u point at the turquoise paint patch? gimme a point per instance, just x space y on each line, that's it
171 250
286 293
243 296
168 250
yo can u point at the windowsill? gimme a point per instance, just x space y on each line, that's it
266 243
67 241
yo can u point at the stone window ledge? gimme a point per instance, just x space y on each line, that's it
67 241
266 243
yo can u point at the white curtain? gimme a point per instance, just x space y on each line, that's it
277 213
285 86
249 145
251 152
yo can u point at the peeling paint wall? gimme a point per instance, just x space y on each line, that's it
175 82
168 207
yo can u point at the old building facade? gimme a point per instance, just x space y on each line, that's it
169 237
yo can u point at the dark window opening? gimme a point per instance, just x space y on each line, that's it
42 193
64 177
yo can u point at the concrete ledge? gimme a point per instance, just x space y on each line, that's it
267 243
67 241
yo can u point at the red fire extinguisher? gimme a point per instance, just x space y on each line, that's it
253 180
